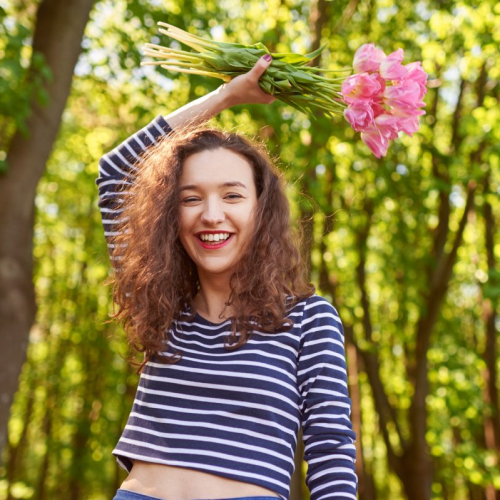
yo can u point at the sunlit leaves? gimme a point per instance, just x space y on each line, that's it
17 86
398 199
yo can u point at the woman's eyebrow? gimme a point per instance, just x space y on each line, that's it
224 184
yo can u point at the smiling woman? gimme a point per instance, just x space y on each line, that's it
207 267
216 209
197 181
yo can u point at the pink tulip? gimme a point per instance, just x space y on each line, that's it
377 108
360 87
359 115
408 112
377 143
384 98
417 74
404 94
409 125
368 58
391 67
388 125
379 96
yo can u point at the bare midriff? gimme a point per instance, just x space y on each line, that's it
180 483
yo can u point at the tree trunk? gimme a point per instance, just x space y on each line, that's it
490 303
58 32
318 19
15 453
47 428
366 484
297 483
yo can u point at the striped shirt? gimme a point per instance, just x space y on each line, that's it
237 414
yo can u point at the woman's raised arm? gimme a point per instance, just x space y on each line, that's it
243 89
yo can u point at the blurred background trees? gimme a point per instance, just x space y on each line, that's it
406 248
32 107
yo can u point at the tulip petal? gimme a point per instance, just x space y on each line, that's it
391 67
368 58
375 141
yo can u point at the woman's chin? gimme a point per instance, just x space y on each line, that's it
214 270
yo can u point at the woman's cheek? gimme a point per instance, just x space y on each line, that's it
251 218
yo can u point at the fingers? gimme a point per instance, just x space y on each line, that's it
260 66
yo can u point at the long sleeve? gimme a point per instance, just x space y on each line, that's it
329 448
116 171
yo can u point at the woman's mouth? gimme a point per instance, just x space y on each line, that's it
214 241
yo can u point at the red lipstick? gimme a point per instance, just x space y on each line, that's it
216 245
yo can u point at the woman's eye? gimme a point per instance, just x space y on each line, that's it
232 196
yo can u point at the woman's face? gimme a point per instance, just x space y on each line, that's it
218 198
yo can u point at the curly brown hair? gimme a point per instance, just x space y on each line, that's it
156 280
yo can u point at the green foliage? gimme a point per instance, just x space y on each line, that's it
374 228
18 86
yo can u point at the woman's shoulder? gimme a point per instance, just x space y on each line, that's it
311 305
319 319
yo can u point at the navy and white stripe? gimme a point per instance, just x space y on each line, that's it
237 414
116 172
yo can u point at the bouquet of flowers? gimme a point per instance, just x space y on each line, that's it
382 97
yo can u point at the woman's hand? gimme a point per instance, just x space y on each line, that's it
244 89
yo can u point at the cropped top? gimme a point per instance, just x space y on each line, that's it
237 414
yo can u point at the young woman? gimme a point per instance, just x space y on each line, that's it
239 350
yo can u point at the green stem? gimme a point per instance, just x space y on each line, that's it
181 54
167 50
198 72
314 68
336 103
186 40
185 34
165 55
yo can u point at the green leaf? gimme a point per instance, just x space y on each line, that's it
317 52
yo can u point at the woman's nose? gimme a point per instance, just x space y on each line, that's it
213 213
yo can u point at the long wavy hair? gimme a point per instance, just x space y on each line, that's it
156 280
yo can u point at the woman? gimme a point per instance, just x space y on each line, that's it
198 228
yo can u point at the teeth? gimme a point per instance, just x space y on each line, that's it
215 237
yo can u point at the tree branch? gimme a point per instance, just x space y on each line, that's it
387 413
346 16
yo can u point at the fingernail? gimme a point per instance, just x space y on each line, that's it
268 57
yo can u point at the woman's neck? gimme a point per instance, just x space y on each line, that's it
211 299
